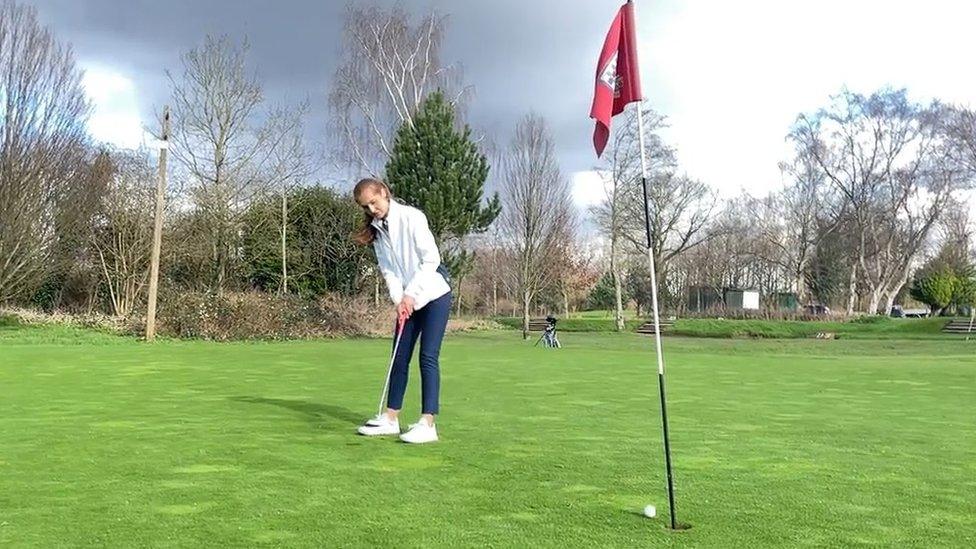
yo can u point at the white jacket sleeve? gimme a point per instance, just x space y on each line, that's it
430 258
393 282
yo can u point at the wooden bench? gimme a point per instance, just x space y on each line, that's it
537 324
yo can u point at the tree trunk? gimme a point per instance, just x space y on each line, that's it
222 274
659 269
618 312
214 262
874 302
565 304
494 299
220 258
618 306
852 290
800 284
284 242
893 292
526 303
890 301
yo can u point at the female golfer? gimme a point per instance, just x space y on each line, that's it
418 284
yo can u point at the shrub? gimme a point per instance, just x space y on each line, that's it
255 315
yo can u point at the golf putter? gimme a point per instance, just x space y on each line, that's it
401 320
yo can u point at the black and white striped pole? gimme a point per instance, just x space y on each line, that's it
654 303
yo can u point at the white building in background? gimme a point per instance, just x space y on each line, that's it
742 300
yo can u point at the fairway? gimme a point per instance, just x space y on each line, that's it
110 442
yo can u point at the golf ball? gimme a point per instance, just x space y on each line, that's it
650 511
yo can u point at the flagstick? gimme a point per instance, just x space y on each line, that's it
654 303
657 324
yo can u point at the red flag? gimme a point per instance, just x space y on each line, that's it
617 76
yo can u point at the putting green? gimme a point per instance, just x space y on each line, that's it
111 442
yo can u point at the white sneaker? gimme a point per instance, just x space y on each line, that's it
377 420
379 426
420 433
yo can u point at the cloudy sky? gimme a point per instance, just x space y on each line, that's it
730 76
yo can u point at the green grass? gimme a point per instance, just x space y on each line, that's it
777 443
577 324
629 314
874 327
877 327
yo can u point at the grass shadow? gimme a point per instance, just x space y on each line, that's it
660 520
314 412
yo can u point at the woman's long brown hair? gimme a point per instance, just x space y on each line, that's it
366 234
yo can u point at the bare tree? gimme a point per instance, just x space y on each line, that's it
390 65
609 216
680 210
793 222
71 277
231 157
565 259
621 179
678 207
490 266
290 163
577 276
956 231
959 125
490 271
960 130
916 216
883 154
770 253
122 234
537 210
732 249
811 214
42 143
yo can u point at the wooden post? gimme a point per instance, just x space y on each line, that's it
157 231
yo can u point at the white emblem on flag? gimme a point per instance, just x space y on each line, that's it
609 76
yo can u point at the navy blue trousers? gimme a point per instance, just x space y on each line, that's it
428 324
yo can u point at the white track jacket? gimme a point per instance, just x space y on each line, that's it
408 256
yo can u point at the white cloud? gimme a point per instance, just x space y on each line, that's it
588 190
115 118
733 76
